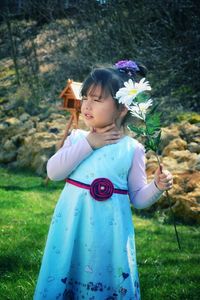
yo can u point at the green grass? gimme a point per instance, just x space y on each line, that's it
26 210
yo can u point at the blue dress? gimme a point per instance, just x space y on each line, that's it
90 250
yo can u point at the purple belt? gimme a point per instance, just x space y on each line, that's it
100 189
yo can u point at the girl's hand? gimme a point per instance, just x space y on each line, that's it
105 136
163 179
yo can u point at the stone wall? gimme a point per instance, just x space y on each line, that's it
181 155
28 142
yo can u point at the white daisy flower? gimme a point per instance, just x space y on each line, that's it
139 110
128 93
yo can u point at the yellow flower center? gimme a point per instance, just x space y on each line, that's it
143 109
132 92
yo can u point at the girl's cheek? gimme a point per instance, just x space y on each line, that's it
82 105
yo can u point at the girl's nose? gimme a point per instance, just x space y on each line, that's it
88 104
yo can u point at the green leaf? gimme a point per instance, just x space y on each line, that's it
153 108
140 131
150 145
142 97
151 130
153 121
152 142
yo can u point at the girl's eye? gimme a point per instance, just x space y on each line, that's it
99 99
94 99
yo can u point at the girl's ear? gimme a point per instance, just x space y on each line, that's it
123 111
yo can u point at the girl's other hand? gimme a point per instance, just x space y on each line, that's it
105 136
163 179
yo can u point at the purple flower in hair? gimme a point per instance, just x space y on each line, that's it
127 65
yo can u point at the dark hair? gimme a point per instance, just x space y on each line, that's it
110 79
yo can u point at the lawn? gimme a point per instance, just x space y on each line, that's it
26 209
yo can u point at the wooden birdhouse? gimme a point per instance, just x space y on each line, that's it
72 100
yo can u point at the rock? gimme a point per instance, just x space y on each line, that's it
35 119
196 139
8 152
189 181
7 157
12 121
173 166
31 131
24 117
183 155
39 163
3 126
28 125
41 126
189 131
197 165
60 125
57 117
18 140
175 144
36 150
151 165
169 134
9 146
194 147
187 209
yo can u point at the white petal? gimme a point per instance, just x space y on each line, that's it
126 100
136 115
122 92
142 80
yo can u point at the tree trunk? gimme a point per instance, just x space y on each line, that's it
13 49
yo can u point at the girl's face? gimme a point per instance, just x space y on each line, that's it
98 109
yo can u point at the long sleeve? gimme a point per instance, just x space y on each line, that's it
142 194
66 159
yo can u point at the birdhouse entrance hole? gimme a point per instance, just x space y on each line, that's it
71 103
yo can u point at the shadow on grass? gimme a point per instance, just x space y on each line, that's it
39 187
25 180
12 263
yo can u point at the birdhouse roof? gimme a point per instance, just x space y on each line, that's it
73 90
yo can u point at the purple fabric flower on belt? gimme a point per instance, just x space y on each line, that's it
127 65
101 189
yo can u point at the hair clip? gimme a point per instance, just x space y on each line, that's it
128 66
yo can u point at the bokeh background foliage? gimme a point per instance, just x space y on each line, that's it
46 42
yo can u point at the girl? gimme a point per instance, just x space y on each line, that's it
90 250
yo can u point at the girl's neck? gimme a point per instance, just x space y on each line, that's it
98 130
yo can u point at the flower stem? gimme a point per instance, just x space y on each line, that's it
167 194
170 206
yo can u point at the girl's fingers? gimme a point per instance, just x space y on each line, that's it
113 135
167 185
165 175
109 142
165 179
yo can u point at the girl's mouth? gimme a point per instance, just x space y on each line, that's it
88 116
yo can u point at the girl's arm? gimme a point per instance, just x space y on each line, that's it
66 159
142 194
